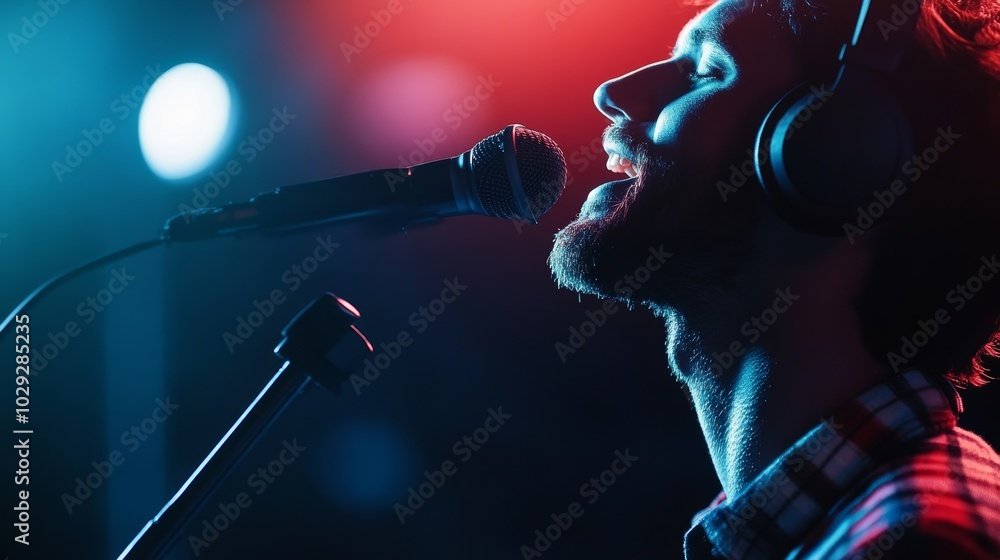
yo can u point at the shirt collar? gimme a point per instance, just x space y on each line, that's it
776 511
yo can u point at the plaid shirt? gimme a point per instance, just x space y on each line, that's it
889 476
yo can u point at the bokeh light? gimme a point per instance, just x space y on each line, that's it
185 121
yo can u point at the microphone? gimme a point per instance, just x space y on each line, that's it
515 174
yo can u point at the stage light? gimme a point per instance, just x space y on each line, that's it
185 121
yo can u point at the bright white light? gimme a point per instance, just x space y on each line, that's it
185 120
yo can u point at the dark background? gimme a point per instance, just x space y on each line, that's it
493 347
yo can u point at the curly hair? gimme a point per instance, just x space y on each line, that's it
965 31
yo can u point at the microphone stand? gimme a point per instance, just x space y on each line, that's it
321 343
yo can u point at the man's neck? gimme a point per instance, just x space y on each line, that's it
755 405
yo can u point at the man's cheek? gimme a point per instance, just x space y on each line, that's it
704 132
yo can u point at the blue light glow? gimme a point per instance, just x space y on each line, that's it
367 467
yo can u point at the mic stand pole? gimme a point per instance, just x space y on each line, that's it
321 343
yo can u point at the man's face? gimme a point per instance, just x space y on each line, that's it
681 126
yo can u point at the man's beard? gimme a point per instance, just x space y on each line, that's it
682 211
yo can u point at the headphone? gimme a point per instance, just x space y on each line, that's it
822 151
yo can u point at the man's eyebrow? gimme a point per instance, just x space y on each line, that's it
696 36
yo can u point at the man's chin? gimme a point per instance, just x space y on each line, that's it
592 254
570 254
606 251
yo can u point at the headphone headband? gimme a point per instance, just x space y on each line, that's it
881 35
819 157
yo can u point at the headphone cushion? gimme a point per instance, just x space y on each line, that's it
821 153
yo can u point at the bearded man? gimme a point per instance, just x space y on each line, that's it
833 272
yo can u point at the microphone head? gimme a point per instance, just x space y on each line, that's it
519 173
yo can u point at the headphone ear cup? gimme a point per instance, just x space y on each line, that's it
821 153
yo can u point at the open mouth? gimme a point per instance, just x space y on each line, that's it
619 164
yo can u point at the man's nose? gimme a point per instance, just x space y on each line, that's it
640 95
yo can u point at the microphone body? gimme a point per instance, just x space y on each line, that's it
485 180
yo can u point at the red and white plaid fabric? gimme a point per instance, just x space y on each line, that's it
889 476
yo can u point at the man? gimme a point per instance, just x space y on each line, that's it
822 368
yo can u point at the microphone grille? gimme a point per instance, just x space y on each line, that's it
541 168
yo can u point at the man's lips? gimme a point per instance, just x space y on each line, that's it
605 199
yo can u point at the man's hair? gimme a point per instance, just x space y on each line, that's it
965 32
938 232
